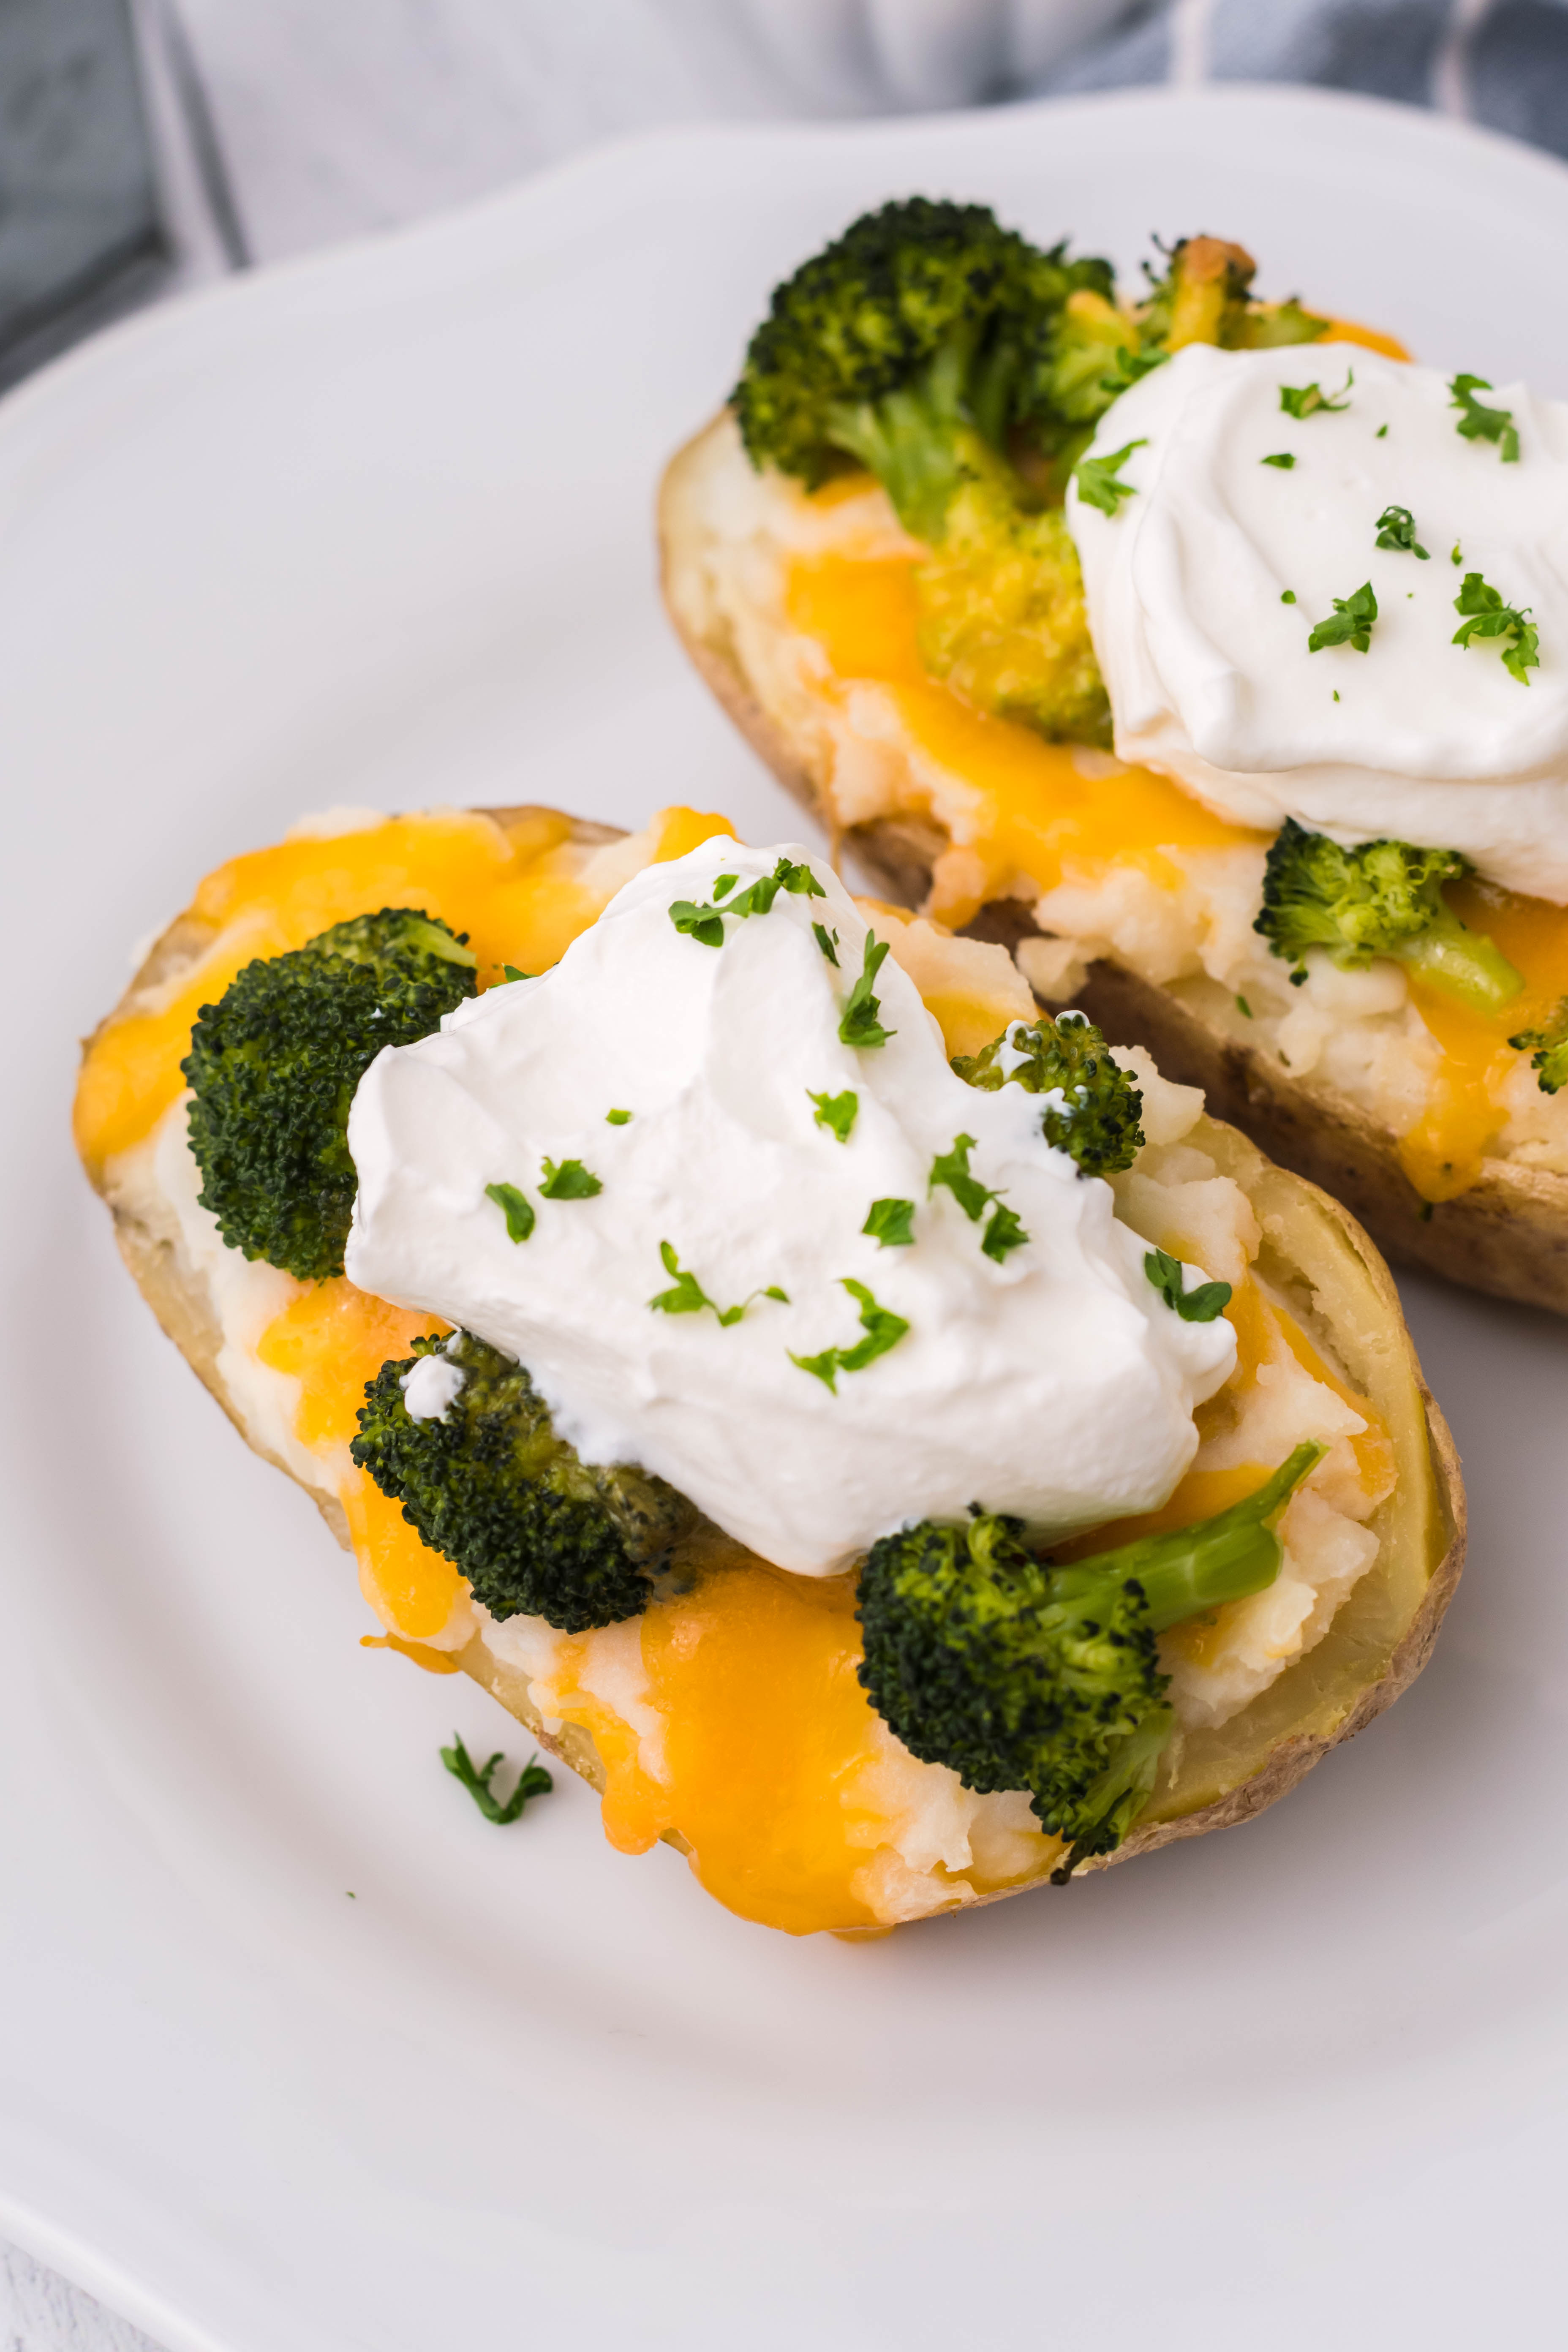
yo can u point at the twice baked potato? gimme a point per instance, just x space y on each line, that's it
916 668
726 1720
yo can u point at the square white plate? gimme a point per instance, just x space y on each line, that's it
295 2050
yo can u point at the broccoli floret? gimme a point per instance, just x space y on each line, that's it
1021 1675
904 346
1002 615
1096 351
488 1483
1550 1044
1092 1108
1384 898
274 1065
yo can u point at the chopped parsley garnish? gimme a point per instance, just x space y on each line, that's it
1004 1231
1350 624
511 972
616 1117
758 897
1097 479
836 1112
1481 423
1455 557
1243 1007
1289 597
883 1330
860 1025
515 1207
704 923
1485 615
952 1169
1396 529
890 1223
1199 1306
689 1297
829 945
1282 458
533 1780
570 1181
1301 400
1381 433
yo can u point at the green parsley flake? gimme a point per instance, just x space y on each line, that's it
724 884
1243 1007
1381 433
758 897
1455 557
829 945
688 1297
860 1025
1350 624
1004 1231
890 1223
570 1181
616 1117
1282 458
1396 529
883 1330
515 1206
1289 597
1485 615
533 1780
1199 1306
1481 423
836 1112
705 924
1097 479
511 972
1302 400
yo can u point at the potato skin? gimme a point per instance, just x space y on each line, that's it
1506 1235
186 1312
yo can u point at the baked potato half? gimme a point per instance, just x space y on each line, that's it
287 1360
852 730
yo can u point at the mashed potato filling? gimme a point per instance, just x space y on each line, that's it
728 1718
814 597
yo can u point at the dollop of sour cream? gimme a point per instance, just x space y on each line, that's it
1052 1382
1208 665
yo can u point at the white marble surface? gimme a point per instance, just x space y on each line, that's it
336 118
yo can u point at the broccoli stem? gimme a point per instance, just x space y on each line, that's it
1461 963
1196 1568
913 438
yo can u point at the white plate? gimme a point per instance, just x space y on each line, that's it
376 529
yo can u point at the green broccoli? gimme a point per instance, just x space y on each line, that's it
906 346
1092 1106
274 1065
1002 615
1384 898
489 1484
1550 1044
1096 350
1021 1675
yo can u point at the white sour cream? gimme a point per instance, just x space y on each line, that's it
1208 671
1055 1384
